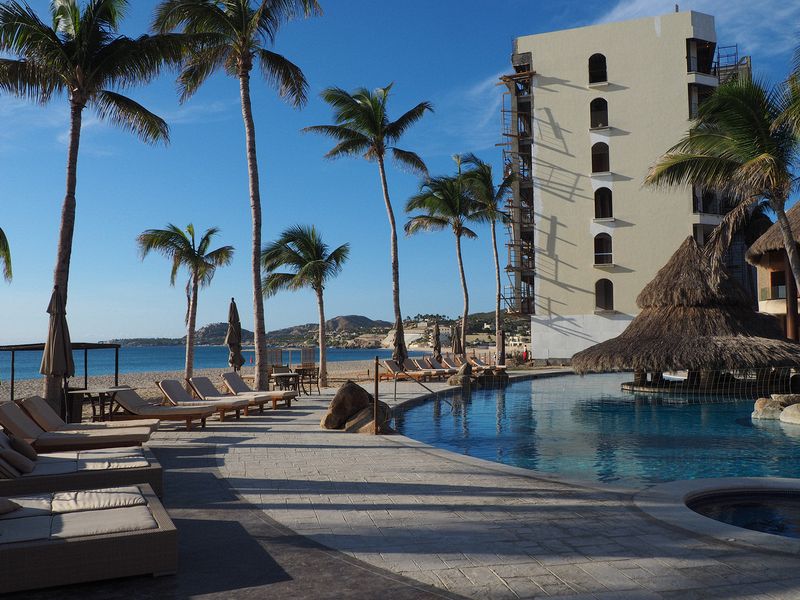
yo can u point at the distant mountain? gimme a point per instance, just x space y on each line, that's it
213 334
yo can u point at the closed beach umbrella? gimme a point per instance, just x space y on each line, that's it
399 353
233 338
456 340
437 343
57 358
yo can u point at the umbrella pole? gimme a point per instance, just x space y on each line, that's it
66 411
375 399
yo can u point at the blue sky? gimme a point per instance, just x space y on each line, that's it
447 52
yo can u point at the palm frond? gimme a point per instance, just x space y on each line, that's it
425 223
396 129
5 256
285 76
272 283
271 14
24 79
132 116
410 161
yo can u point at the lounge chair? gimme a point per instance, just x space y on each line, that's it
237 386
451 363
423 365
46 418
81 470
203 387
440 367
133 403
14 420
74 537
395 371
480 364
174 392
413 368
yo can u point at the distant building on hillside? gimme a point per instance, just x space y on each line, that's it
587 112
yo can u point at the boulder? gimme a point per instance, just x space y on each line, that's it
791 414
767 408
349 399
786 399
363 421
463 377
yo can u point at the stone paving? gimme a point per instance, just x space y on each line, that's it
473 528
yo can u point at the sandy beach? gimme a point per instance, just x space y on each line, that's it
144 382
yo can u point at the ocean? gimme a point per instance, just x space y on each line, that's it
165 358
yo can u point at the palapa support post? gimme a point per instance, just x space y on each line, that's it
375 400
791 301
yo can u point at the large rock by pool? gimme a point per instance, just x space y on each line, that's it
772 408
352 410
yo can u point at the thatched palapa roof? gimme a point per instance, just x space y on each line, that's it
772 239
692 320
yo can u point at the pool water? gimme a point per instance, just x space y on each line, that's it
586 427
769 512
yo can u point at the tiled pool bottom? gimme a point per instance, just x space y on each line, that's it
587 428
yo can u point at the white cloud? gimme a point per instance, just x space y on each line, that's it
764 28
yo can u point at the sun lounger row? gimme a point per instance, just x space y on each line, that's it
428 367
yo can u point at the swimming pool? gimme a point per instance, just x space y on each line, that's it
586 427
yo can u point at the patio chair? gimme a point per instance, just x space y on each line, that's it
173 391
64 538
395 371
424 366
285 378
480 364
413 368
203 387
46 418
133 403
80 470
19 424
236 385
450 363
440 367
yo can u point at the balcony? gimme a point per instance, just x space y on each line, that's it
777 292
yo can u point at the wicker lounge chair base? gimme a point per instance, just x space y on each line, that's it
61 547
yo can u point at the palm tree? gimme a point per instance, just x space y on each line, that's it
300 249
446 203
5 256
234 34
180 247
489 201
83 56
743 146
362 127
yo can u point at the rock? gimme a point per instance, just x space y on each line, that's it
791 414
785 399
363 422
463 377
767 408
349 399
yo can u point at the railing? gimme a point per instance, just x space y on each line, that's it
777 292
603 258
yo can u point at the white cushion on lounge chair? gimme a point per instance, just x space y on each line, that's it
174 391
30 506
235 383
100 499
49 420
113 520
112 462
55 466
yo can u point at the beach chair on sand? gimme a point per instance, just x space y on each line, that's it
133 403
174 392
203 387
39 410
237 386
15 421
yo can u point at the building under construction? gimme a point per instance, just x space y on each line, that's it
585 114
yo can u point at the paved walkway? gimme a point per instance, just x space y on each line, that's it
467 526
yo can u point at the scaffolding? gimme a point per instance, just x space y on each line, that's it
517 132
729 65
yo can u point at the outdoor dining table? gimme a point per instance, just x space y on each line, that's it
100 397
287 380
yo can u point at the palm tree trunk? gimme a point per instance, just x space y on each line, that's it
323 352
259 328
498 325
788 240
52 385
466 295
190 327
398 317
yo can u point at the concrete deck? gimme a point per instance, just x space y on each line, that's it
399 514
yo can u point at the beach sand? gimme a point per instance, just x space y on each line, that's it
144 382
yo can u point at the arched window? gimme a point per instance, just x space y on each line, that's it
598 113
602 249
597 69
603 209
604 295
600 159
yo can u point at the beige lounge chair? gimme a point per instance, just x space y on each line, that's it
133 403
395 371
423 365
203 387
14 420
74 537
450 363
82 470
40 411
480 364
174 392
440 367
410 366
